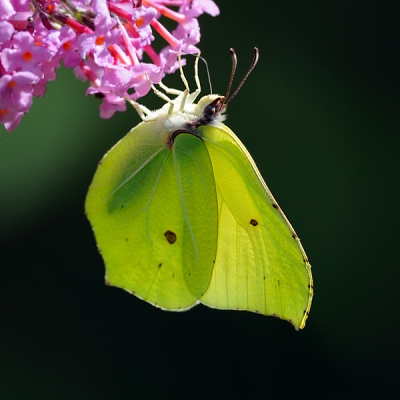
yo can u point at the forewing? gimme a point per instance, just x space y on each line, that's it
145 220
260 264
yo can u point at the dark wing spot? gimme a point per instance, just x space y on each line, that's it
173 275
122 206
126 239
275 206
279 284
159 265
170 236
264 278
189 273
253 222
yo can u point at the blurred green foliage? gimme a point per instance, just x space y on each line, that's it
320 116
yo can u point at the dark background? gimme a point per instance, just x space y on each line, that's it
320 115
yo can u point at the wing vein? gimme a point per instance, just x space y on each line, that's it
181 195
135 172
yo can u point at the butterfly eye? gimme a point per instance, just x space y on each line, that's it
209 110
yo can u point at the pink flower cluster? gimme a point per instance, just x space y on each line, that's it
108 43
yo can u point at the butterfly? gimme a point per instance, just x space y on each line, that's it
182 215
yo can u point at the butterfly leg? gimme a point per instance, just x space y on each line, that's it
143 111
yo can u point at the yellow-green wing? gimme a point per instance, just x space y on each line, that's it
154 215
260 264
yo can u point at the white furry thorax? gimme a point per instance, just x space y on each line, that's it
175 115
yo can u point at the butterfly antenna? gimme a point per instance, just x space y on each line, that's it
252 65
234 65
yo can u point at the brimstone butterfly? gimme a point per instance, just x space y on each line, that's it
182 216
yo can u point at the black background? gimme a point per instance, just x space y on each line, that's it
320 116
